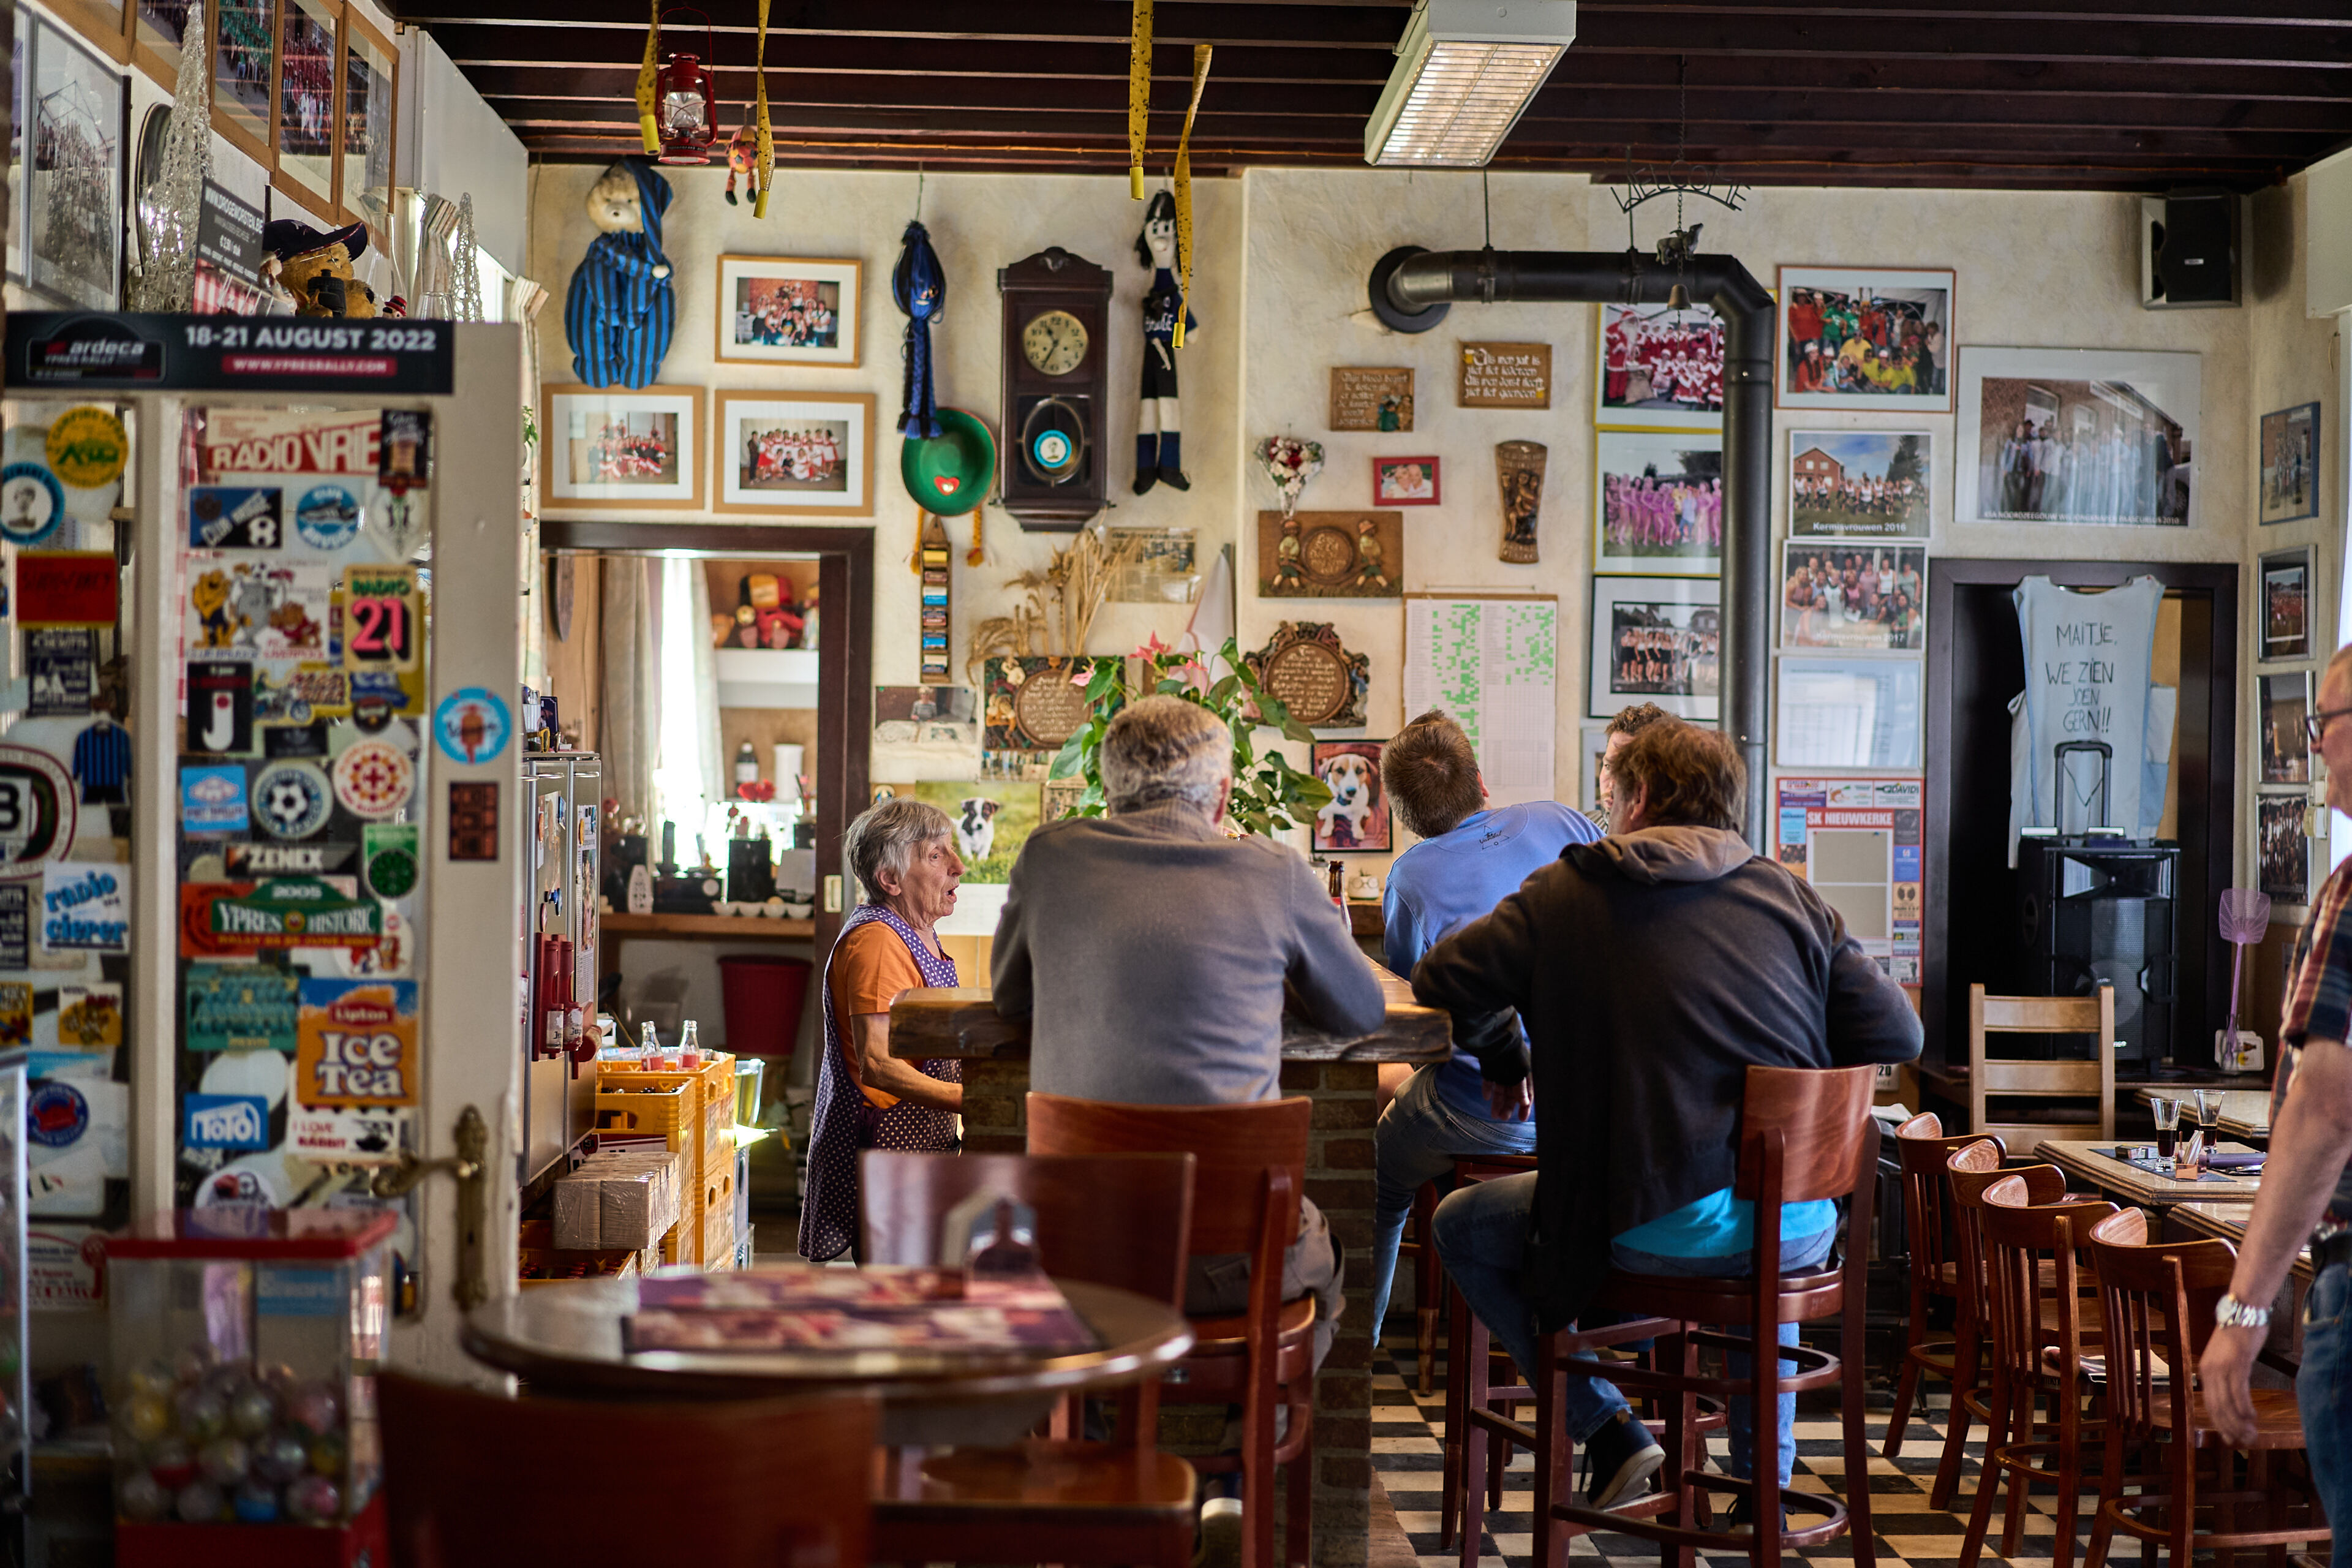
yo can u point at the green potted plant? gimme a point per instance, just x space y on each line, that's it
1269 795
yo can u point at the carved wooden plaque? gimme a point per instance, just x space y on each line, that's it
1330 555
1320 682
1520 470
1507 376
1371 397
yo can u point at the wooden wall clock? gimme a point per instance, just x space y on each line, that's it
1056 350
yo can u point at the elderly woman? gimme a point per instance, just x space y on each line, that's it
902 855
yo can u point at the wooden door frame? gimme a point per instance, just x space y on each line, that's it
844 661
2216 781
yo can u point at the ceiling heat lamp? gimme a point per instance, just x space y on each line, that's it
1466 71
684 109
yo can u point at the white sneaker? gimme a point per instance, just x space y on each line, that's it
1219 1542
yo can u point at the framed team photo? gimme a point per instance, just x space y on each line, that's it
1658 495
615 447
2285 701
1660 367
2290 476
796 452
1860 484
2286 604
2077 436
784 309
1656 639
1853 595
2283 849
1356 822
1404 481
1862 337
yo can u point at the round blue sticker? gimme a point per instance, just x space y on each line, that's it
56 1115
327 518
32 503
471 726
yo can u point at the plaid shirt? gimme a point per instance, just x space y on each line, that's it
2319 1004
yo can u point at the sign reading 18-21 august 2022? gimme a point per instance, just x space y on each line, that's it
98 350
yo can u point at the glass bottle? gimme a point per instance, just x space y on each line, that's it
649 1047
689 1047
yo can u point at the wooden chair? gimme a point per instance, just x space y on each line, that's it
1246 1186
2155 1303
1922 1148
1478 1404
476 1480
1122 1220
2038 1350
1991 1077
1804 1134
1971 1171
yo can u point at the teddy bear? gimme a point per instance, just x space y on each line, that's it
622 307
314 267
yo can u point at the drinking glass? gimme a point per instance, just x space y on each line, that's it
2209 1113
2167 1126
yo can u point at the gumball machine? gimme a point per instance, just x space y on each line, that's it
245 1346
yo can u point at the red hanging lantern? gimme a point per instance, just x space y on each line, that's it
685 112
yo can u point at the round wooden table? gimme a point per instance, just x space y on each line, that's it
564 1340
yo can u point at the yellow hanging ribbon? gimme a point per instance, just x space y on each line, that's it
1139 96
645 76
764 173
1200 53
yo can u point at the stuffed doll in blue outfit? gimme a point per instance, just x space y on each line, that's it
1160 422
622 308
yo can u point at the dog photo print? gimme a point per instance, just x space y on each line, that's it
1356 822
993 819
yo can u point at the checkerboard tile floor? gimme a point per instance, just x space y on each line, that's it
1408 1452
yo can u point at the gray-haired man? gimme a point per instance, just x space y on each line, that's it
1151 951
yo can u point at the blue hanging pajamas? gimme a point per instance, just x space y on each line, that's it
618 314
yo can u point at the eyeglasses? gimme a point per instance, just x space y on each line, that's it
2315 724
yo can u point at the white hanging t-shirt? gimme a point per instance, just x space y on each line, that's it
2088 658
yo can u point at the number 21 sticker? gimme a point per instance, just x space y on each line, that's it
383 620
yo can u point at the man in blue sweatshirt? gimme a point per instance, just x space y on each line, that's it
1469 858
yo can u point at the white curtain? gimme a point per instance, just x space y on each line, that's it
688 775
630 735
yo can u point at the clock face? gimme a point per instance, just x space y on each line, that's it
1055 342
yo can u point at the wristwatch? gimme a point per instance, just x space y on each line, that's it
2229 1312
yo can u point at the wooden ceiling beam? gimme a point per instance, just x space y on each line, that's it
1177 23
1651 30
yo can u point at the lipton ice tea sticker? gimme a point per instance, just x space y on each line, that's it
356 1044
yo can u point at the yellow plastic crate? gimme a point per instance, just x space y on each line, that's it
704 1099
718 1240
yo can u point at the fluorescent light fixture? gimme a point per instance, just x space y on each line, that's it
1466 71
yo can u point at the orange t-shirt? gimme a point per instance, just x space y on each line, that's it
870 966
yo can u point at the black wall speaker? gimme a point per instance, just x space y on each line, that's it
2102 910
2192 247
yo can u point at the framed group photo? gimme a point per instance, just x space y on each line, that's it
2081 437
2286 576
1657 499
1854 597
1860 484
1656 639
1866 337
2282 851
798 451
2290 454
2285 702
615 447
1660 367
66 220
784 309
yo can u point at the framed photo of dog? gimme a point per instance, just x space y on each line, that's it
1356 822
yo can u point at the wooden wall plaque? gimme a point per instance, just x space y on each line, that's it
1371 397
1322 683
1507 376
1330 555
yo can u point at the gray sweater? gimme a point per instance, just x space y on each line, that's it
1150 952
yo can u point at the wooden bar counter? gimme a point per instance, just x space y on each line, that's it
1340 1075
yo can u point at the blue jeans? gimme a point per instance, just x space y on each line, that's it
1482 1236
1419 1135
2322 1388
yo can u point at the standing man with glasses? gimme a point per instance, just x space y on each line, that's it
2306 1190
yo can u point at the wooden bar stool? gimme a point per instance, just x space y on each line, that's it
2156 1304
1122 1220
1970 1171
1804 1134
1249 1177
1471 1358
1428 1283
1922 1148
2038 1350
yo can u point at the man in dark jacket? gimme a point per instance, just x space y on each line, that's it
1651 971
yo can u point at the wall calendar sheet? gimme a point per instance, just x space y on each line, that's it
1491 662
